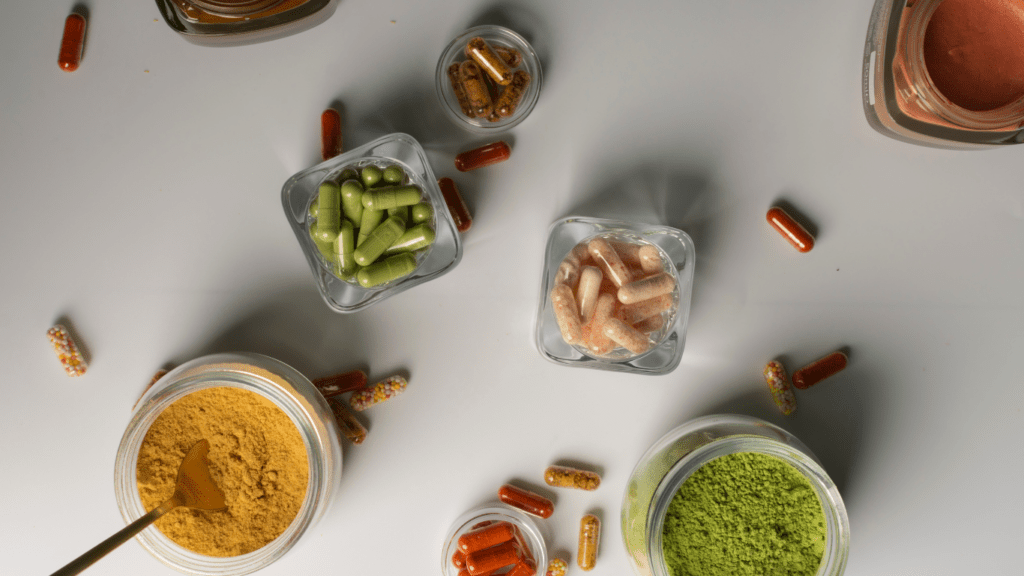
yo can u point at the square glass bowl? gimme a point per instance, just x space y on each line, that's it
455 52
661 358
301 189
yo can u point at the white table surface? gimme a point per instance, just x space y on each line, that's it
142 203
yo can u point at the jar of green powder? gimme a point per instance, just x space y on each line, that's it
731 494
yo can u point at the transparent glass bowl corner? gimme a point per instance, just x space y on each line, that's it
494 512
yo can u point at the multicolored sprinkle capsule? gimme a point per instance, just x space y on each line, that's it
557 567
384 390
67 351
778 387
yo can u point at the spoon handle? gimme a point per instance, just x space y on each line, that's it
108 545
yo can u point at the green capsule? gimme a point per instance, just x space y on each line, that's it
379 240
313 208
400 212
371 219
371 175
351 201
422 212
326 249
412 240
347 174
393 175
391 197
386 270
328 219
344 248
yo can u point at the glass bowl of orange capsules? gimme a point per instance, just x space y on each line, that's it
494 539
372 222
615 295
488 79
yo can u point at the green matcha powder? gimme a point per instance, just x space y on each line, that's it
744 513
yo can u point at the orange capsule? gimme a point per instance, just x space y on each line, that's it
524 567
330 134
350 427
340 383
506 103
72 44
526 501
495 66
790 229
492 558
456 205
476 89
483 156
819 370
486 537
459 559
511 56
459 90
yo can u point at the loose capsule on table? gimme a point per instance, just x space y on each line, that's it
347 423
456 205
384 390
819 370
67 350
566 477
590 536
480 51
557 567
485 155
340 383
510 98
566 313
476 89
330 134
526 501
790 229
779 388
459 89
72 43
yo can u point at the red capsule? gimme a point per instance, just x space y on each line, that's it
483 156
456 205
486 537
72 44
340 383
330 134
523 568
790 229
526 501
492 558
819 370
459 559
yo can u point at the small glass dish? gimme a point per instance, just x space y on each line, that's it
455 52
494 513
665 354
293 393
671 460
238 22
301 189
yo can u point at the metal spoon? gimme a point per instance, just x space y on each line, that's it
193 489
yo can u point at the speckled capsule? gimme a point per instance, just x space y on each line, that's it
557 567
381 391
566 477
590 537
779 388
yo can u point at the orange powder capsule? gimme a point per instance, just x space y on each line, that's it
590 535
647 288
566 314
505 105
819 370
626 336
330 134
790 229
609 261
486 537
526 501
524 567
459 559
492 558
72 44
511 56
633 313
476 89
485 155
593 331
479 50
459 90
456 205
340 383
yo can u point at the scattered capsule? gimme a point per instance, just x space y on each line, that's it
64 345
350 427
566 477
648 288
476 89
456 205
819 370
72 43
566 313
493 558
790 229
485 155
511 56
369 222
480 51
587 291
590 535
490 535
557 567
626 336
778 387
460 90
608 259
330 134
415 238
393 174
340 383
526 501
384 390
506 104
371 175
422 213
387 270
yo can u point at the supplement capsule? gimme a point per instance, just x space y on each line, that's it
64 345
314 208
379 240
525 567
456 205
587 291
565 477
352 201
368 223
384 390
819 370
344 247
650 259
330 134
415 238
526 501
476 89
326 249
566 313
459 559
608 259
647 288
567 273
490 535
328 222
72 43
493 558
593 331
485 155
557 567
626 336
790 229
590 535
506 104
340 383
393 174
371 175
511 56
400 212
391 197
391 268
652 324
633 313
350 427
778 387
422 213
460 90
480 51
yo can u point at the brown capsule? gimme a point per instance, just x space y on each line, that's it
511 56
565 477
485 155
340 383
590 536
526 501
350 427
506 104
819 370
330 134
456 205
72 43
459 90
492 558
490 535
790 229
476 89
493 65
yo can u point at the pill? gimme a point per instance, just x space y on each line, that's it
370 175
587 291
557 567
314 208
790 229
352 201
778 387
578 255
72 43
526 501
608 259
391 197
480 51
368 223
328 221
490 535
481 524
566 313
626 336
459 559
511 56
525 567
593 331
566 477
158 375
330 134
510 98
67 350
391 268
523 548
483 156
347 174
476 89
401 212
393 174
456 205
422 212
648 288
326 248
340 383
819 370
345 247
493 558
415 238
384 390
379 240
633 313
460 90
650 259
567 273
347 423
590 536
649 325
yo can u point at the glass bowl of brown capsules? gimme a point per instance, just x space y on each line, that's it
488 79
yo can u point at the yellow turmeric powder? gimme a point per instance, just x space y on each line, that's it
257 457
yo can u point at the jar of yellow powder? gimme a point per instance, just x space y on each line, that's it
275 452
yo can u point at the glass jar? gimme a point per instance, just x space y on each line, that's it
672 459
293 393
900 95
532 535
237 22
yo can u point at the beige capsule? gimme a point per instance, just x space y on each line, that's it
648 288
566 314
650 259
590 537
588 291
608 259
652 324
593 331
633 313
626 336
